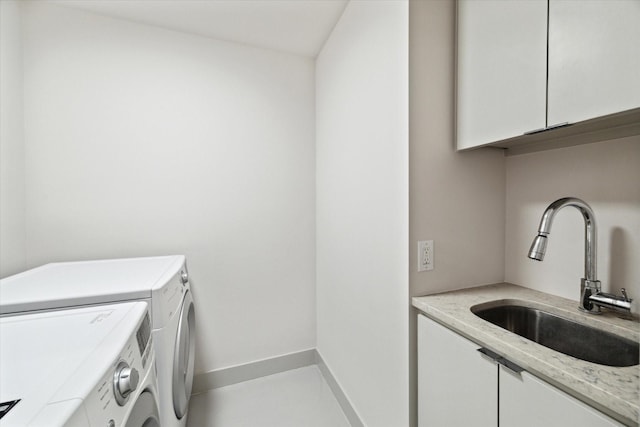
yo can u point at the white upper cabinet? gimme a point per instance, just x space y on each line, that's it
502 55
529 65
594 58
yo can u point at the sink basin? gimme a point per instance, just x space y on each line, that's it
561 334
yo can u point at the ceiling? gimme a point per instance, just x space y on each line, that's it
295 26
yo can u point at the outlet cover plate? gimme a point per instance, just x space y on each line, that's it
425 255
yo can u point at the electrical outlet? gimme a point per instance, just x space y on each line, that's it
425 255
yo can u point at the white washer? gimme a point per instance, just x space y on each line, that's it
163 282
92 366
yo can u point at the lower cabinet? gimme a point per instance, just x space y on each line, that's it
527 401
459 386
456 387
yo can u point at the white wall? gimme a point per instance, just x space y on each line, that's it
12 173
457 199
606 175
144 141
362 208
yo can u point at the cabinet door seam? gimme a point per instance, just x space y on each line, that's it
546 98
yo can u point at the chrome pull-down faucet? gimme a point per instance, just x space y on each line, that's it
591 298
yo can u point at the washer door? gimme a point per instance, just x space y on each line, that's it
183 357
144 412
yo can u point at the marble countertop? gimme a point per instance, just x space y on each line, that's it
613 390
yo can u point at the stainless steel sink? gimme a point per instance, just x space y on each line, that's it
561 334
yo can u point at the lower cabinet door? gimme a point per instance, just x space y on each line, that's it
457 387
526 401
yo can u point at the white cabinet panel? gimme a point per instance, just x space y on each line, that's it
456 386
526 401
526 65
501 69
594 58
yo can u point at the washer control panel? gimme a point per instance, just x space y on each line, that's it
125 380
112 398
143 335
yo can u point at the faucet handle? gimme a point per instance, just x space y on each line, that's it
624 295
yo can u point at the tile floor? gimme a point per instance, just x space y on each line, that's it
296 398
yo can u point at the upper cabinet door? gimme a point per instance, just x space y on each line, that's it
594 58
501 69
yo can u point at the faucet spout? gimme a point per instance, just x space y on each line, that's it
538 247
589 284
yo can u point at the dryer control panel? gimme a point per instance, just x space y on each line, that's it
167 300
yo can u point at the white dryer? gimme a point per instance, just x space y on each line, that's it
92 366
163 282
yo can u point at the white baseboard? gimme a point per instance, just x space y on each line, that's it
342 398
249 371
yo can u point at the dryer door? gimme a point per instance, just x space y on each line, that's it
183 357
144 412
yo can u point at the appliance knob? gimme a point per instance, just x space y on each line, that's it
184 277
125 380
